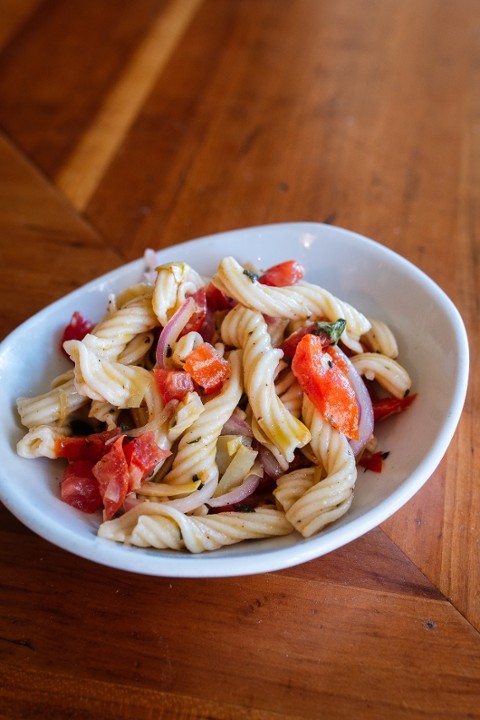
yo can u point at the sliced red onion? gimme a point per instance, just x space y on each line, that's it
365 408
238 494
236 426
172 330
269 462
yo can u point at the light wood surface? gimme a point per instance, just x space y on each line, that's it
133 125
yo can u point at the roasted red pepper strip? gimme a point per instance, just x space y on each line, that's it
373 461
216 299
324 381
384 407
88 447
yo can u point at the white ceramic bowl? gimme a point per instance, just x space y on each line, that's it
433 346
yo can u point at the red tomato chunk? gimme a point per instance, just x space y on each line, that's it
207 367
283 274
77 328
79 487
108 471
384 407
173 384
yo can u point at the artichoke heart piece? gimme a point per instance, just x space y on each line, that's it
237 470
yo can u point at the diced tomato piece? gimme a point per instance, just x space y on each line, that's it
328 332
79 487
207 367
89 483
113 478
89 447
283 274
173 384
195 322
384 407
207 331
142 455
216 299
326 385
373 461
77 328
290 343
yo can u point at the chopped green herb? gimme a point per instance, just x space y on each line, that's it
333 330
251 275
244 508
191 442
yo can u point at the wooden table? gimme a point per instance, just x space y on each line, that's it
134 125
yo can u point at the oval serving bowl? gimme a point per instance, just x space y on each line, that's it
380 283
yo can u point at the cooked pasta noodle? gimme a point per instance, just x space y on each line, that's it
329 497
104 413
183 347
100 379
136 350
40 441
161 526
53 406
386 371
246 328
301 301
120 327
381 339
173 284
290 393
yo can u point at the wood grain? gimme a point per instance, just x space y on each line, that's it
39 229
169 120
251 643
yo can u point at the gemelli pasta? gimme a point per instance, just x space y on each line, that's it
199 412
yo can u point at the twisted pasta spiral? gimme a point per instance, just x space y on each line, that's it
247 329
162 526
388 372
300 301
331 496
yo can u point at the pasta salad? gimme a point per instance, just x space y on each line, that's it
203 412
